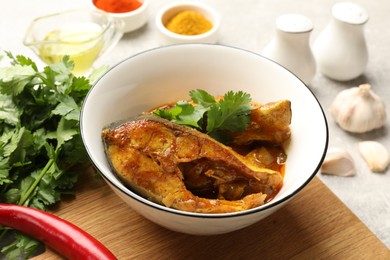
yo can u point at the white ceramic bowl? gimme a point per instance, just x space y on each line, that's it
132 20
140 83
170 10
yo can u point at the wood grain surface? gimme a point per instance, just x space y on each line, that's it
313 225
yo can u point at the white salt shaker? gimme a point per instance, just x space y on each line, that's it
340 49
290 47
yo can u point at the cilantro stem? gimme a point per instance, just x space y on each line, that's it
3 232
36 182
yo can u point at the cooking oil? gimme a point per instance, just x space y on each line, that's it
82 43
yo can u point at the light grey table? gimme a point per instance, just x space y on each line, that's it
249 24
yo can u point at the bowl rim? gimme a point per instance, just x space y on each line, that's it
129 193
201 5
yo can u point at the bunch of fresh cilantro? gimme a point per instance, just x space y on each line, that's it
40 142
215 118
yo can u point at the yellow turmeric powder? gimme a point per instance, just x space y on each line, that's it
189 23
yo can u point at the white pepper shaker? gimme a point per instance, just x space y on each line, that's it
340 49
290 46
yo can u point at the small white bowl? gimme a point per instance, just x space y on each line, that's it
169 11
139 83
132 20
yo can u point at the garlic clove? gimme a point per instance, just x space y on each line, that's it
338 162
375 154
358 109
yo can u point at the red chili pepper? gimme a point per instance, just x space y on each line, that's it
64 237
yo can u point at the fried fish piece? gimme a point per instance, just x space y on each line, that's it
269 122
159 159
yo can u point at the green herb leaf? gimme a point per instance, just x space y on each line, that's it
9 113
40 139
65 132
202 98
22 245
67 108
14 79
182 113
231 113
218 119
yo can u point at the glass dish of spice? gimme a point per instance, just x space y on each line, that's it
132 12
187 22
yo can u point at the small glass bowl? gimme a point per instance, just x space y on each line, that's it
83 34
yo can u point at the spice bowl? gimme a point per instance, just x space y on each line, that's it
133 14
199 13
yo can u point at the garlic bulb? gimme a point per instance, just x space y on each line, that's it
338 162
375 154
358 109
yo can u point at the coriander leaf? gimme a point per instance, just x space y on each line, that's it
18 146
62 69
74 152
202 98
4 173
67 108
14 79
186 108
9 113
34 202
21 60
24 61
231 113
48 78
212 116
24 147
217 119
23 245
80 87
195 119
171 113
25 184
12 196
183 113
40 141
64 132
29 192
47 195
58 75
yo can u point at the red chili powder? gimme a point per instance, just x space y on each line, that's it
117 6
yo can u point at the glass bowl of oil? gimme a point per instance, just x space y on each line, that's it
84 35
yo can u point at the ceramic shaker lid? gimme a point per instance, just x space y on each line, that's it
294 23
349 13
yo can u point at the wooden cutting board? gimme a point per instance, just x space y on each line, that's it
313 225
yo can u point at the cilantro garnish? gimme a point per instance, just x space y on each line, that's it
40 140
216 118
